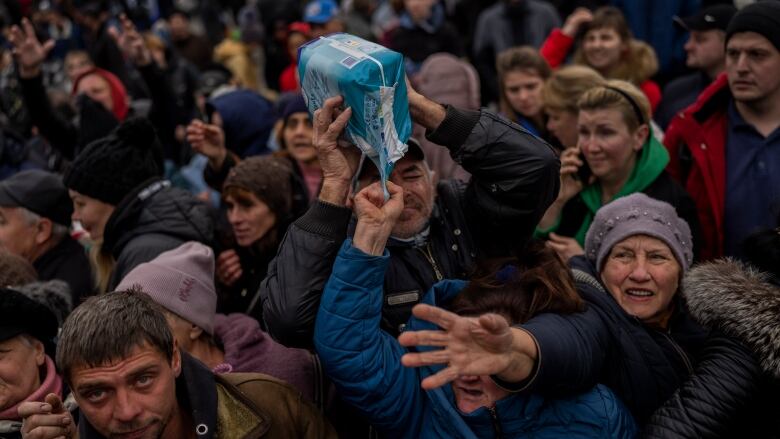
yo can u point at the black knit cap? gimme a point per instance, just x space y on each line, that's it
20 314
110 168
762 18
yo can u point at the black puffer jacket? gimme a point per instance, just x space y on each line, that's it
731 394
154 218
514 180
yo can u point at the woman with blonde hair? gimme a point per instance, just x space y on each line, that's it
560 94
615 142
608 47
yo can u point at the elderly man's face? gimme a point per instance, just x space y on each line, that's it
134 396
416 180
20 360
17 233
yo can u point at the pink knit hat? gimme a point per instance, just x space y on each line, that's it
180 280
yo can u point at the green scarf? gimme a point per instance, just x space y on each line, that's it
650 163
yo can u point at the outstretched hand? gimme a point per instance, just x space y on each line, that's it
28 51
131 42
376 217
484 345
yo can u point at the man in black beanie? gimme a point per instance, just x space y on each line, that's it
725 148
120 198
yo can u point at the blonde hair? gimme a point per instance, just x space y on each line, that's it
638 63
103 264
565 86
615 94
523 58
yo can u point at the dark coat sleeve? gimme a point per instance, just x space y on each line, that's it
515 176
163 111
60 134
572 351
290 293
708 403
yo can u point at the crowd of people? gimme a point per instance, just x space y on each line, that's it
582 238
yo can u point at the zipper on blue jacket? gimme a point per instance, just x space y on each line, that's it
496 423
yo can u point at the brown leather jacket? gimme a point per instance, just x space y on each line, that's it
251 405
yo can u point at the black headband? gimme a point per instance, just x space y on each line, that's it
638 111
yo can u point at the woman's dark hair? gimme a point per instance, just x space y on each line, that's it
520 288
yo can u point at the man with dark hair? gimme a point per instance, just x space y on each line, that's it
705 53
129 378
725 148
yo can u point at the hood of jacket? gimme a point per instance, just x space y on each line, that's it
247 120
157 208
742 302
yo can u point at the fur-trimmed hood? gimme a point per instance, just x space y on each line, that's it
740 300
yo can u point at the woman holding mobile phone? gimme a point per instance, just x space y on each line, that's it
615 141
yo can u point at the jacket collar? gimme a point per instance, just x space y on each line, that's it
713 99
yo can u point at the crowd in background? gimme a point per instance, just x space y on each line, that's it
582 238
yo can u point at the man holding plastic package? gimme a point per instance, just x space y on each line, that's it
444 228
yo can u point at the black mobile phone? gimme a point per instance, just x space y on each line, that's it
584 172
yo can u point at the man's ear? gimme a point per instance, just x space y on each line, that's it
195 331
43 230
176 359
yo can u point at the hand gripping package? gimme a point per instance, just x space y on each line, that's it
371 80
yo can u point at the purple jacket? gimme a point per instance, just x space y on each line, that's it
249 349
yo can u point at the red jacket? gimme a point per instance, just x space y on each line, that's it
696 140
557 46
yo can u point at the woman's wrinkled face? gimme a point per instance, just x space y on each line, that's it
608 145
249 217
92 213
603 48
472 392
523 89
642 275
563 125
298 137
20 360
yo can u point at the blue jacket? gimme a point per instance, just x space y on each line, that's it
365 364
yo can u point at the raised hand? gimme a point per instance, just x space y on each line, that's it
131 42
484 345
339 163
376 217
209 140
46 420
28 51
574 22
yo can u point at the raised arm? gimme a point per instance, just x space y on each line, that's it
291 291
361 359
29 54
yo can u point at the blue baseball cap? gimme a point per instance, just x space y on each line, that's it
320 11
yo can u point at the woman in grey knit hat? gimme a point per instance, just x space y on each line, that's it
636 335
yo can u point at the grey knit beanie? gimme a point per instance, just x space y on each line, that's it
638 214
180 280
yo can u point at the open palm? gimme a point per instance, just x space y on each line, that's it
28 51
